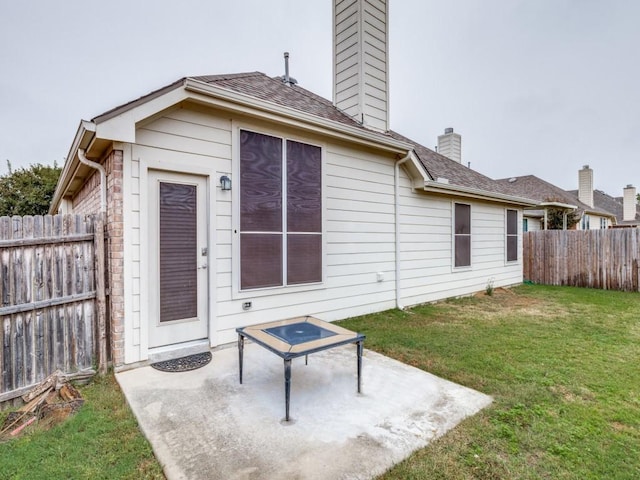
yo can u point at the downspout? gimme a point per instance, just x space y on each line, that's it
397 215
103 178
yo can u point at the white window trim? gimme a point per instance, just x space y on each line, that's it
518 236
453 238
236 291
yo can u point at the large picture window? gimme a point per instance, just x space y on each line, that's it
512 235
462 235
280 212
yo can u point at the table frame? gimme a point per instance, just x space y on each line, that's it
345 337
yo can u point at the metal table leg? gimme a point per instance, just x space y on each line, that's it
287 386
240 353
360 348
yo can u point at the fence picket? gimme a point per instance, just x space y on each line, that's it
605 259
47 298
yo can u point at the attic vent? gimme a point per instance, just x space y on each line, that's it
287 79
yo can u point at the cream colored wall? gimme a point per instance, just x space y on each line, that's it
359 231
427 248
534 224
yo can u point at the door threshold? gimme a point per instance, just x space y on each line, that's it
179 350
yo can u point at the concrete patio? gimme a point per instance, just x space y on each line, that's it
203 424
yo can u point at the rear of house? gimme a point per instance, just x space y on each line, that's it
238 199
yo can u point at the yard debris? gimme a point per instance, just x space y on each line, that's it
52 400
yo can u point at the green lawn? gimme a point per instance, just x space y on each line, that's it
563 367
102 441
562 364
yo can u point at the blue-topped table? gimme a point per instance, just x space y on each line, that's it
296 337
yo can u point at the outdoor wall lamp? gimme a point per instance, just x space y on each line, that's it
225 183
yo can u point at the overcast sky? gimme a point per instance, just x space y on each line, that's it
538 87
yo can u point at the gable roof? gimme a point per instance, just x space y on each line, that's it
270 95
613 205
542 191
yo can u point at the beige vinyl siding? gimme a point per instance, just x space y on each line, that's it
183 139
358 223
358 240
427 248
533 224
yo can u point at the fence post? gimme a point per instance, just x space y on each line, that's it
100 293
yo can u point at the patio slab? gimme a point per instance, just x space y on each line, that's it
203 424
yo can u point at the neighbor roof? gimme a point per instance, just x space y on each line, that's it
540 190
614 205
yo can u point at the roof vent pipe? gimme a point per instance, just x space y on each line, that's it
287 79
103 178
286 68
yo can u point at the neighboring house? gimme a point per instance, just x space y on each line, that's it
626 208
237 199
549 196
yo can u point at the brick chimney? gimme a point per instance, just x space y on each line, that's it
585 185
450 145
361 61
629 202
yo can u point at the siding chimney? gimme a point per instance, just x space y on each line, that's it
361 61
450 145
585 185
629 202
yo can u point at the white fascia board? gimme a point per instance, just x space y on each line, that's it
417 170
568 206
599 214
272 111
84 134
457 190
122 127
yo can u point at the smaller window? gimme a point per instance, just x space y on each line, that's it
603 223
512 235
462 235
525 224
585 222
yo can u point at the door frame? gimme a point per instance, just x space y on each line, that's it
172 162
188 329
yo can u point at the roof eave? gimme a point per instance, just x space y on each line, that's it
270 110
84 135
461 191
567 206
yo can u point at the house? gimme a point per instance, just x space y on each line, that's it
237 199
626 208
549 196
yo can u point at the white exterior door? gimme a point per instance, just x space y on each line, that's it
178 269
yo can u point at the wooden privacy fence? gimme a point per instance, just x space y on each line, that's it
52 307
605 259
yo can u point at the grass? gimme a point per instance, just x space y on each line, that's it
102 441
562 365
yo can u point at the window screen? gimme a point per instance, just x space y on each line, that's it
512 235
280 212
462 240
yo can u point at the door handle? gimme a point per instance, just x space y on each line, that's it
202 267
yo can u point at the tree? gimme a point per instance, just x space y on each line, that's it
28 191
555 220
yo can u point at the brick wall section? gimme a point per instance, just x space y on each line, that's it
115 234
87 201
